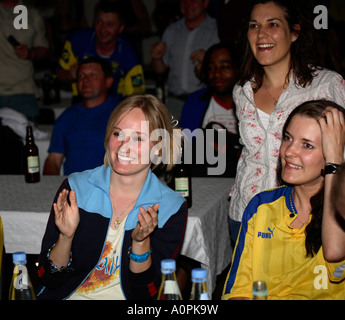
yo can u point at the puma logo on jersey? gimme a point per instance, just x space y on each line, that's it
266 235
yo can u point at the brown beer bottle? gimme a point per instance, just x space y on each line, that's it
183 181
31 161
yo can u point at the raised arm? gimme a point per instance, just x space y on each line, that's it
67 220
338 192
157 52
333 141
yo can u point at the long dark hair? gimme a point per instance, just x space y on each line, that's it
312 109
303 53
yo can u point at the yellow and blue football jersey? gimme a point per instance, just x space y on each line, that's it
270 250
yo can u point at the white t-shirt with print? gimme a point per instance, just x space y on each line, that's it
104 281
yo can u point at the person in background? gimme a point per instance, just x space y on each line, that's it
279 72
110 227
104 41
19 48
213 108
137 21
282 239
214 103
80 130
183 45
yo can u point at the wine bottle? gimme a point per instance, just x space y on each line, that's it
183 181
32 162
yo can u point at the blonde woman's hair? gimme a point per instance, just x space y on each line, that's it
160 126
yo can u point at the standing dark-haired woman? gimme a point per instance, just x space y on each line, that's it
279 72
283 240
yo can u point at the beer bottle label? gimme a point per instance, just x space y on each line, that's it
182 187
33 164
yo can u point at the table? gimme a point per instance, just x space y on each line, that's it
207 236
24 209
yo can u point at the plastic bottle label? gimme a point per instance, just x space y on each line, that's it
33 164
181 186
22 279
171 287
204 296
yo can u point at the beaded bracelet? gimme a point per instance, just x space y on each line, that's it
54 268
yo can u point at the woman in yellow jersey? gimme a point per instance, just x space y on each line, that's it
288 233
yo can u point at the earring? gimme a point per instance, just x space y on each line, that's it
294 38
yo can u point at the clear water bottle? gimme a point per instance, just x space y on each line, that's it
259 290
169 289
199 287
21 287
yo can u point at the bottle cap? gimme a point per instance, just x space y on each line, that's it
259 288
168 266
199 275
19 258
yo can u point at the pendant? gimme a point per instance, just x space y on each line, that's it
117 222
275 103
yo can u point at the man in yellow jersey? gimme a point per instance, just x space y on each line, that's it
104 41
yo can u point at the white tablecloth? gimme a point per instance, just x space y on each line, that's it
24 209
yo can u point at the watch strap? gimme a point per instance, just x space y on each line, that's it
331 168
138 257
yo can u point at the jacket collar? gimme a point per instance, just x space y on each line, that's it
149 195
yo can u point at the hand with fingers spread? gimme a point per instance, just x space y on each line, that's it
148 221
333 135
67 214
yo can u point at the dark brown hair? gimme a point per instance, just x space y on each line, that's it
312 109
303 55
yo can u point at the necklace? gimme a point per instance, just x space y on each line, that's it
274 99
302 222
117 220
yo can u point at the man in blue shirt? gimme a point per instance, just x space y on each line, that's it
78 135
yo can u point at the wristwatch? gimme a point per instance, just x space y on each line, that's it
331 168
138 257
